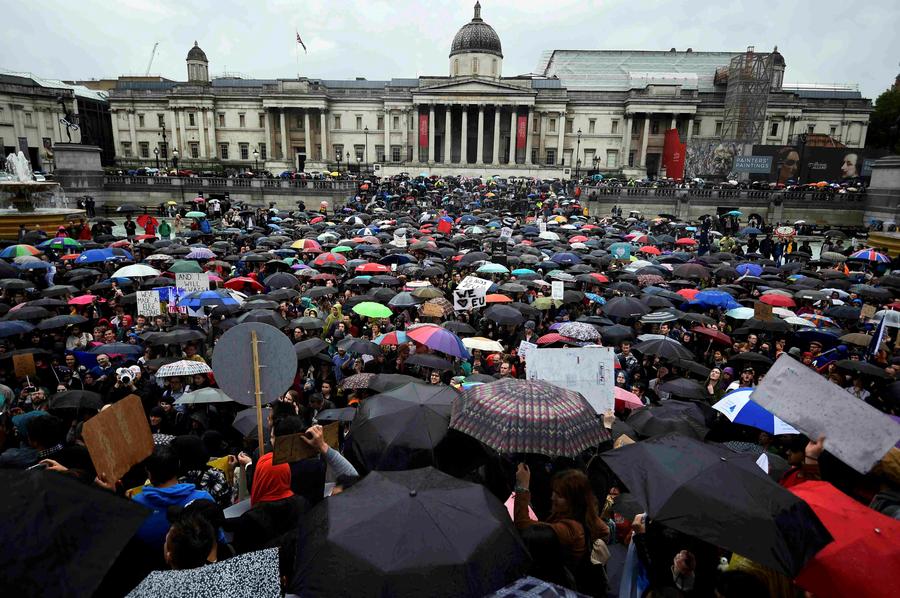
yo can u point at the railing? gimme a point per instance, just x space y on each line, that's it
199 183
752 195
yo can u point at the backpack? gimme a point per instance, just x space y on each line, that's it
590 572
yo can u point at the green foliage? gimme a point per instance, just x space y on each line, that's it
884 124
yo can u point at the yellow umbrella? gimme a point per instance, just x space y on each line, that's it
171 203
335 173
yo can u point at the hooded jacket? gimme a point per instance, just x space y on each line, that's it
154 529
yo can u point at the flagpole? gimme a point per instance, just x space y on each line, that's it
297 51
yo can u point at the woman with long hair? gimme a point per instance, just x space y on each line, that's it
713 385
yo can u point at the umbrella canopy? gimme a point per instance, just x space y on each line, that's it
483 344
739 408
504 314
185 367
672 416
371 309
438 338
60 536
399 429
664 348
528 416
408 533
721 497
76 399
863 560
579 330
203 396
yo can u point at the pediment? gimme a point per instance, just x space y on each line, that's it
473 85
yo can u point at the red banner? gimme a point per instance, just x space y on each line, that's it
423 130
521 132
673 154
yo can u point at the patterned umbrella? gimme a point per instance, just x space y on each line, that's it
17 250
579 330
528 416
438 338
185 367
872 256
200 253
357 381
330 259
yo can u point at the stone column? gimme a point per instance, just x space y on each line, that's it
479 149
387 135
18 125
542 146
323 135
173 129
626 143
117 145
284 139
561 141
765 131
690 129
431 133
791 129
862 135
512 134
268 125
448 135
213 146
495 153
201 131
674 122
644 135
785 126
134 144
307 138
528 136
464 136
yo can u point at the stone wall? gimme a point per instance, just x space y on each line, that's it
884 192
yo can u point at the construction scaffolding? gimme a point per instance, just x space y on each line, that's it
746 96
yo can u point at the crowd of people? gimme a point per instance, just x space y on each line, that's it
366 295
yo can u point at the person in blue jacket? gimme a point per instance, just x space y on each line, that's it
164 492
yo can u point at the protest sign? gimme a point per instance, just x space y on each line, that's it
557 290
292 448
588 370
192 282
432 310
506 234
399 238
525 348
23 364
471 293
118 438
762 311
148 303
855 433
867 312
542 227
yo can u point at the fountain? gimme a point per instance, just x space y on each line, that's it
36 204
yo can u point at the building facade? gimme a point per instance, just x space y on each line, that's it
581 110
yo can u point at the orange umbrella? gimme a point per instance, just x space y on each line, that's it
688 294
650 249
497 298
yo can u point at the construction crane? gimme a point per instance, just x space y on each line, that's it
152 56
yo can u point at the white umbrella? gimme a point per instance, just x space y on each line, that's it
135 270
795 321
783 312
203 395
891 318
483 344
185 367
550 236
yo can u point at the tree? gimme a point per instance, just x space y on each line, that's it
884 124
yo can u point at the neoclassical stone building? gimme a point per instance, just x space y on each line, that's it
594 110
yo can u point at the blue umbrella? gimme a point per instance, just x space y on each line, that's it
97 256
468 219
595 298
750 268
739 407
751 230
808 335
205 298
719 299
566 258
38 265
15 327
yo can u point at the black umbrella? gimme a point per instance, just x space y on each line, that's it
345 414
429 360
309 348
721 497
665 348
265 316
307 323
60 322
359 346
458 327
76 399
670 417
118 349
625 307
281 280
408 533
504 314
751 358
615 334
862 367
399 429
683 388
385 382
58 536
178 336
27 313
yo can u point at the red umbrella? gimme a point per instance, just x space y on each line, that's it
686 241
555 337
714 335
688 294
372 268
123 243
599 277
650 249
864 559
83 300
143 219
578 239
335 259
144 237
627 400
317 220
776 300
240 282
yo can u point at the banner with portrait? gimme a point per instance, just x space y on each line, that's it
423 130
711 159
521 131
794 164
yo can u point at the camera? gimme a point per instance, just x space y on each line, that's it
125 376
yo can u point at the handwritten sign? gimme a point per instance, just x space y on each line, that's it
148 303
118 438
587 370
292 447
762 311
399 238
432 310
192 282
557 291
856 433
867 312
506 234
471 293
23 364
525 348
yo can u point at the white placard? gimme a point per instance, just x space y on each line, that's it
473 282
525 348
469 299
542 227
856 433
587 370
558 290
192 282
399 238
506 234
148 303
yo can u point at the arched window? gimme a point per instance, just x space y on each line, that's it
474 66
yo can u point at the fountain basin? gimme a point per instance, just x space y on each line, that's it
25 213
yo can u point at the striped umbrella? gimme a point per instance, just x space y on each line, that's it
528 416
438 338
17 250
871 255
397 337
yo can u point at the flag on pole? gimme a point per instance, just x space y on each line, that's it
300 41
875 344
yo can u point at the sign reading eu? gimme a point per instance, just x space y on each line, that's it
753 164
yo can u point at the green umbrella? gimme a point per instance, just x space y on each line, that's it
184 266
545 303
341 249
195 215
370 309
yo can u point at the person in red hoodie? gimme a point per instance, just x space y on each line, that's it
804 461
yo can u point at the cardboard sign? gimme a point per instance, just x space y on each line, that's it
506 234
587 370
557 290
118 438
399 238
468 299
542 227
292 447
855 433
148 303
762 311
192 282
432 310
525 348
24 365
867 312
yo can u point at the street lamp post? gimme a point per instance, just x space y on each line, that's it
366 154
256 161
348 161
156 154
577 154
338 156
175 160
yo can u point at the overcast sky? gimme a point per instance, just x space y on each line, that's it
823 41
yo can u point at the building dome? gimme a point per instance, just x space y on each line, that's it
476 36
196 53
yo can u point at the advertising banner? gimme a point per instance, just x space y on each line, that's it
673 154
423 130
753 164
521 131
